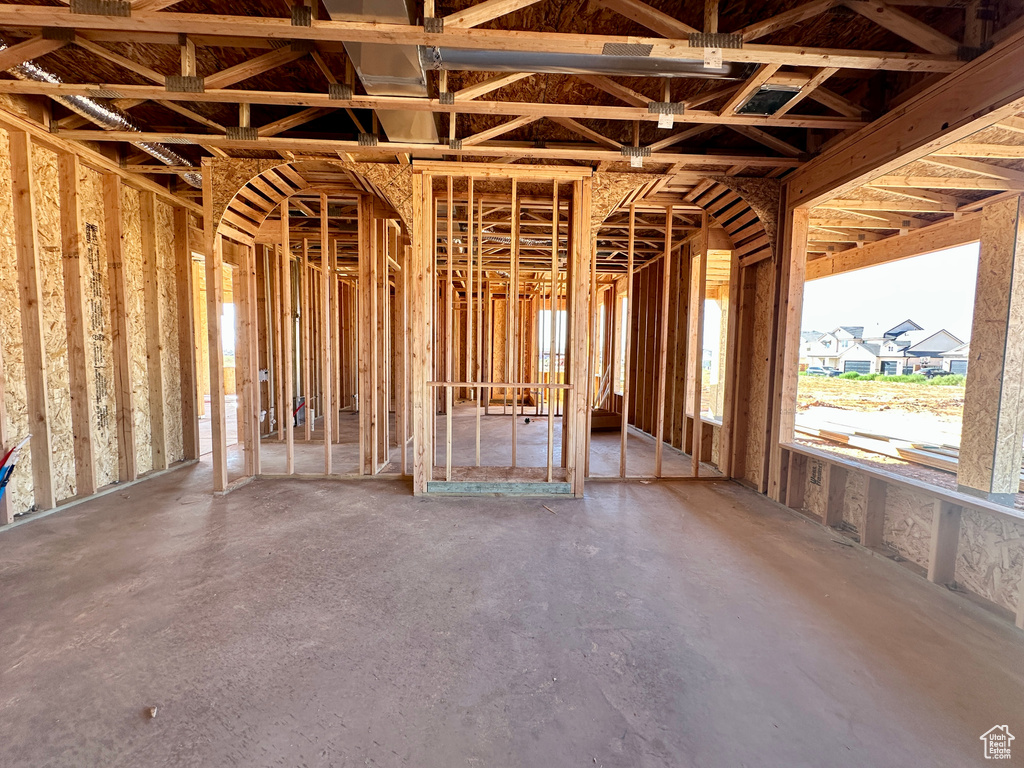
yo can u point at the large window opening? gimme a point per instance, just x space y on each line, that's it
884 353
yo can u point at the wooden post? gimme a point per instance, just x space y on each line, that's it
993 432
835 496
30 291
513 335
154 332
288 333
327 334
278 332
214 309
789 311
252 377
120 339
482 299
700 275
874 513
305 340
796 481
579 252
75 290
186 335
367 337
732 352
421 283
663 344
945 538
630 243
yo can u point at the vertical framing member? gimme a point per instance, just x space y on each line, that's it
186 335
288 334
630 243
120 338
214 308
326 332
663 344
75 289
154 330
697 340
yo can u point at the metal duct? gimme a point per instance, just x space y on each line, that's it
553 62
389 70
105 115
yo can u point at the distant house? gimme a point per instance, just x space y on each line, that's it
955 359
904 348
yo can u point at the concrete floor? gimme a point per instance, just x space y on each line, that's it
321 623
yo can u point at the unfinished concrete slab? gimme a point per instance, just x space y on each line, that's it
349 623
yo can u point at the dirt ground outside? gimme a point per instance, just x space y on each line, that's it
944 402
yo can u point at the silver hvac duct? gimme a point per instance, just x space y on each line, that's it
553 62
105 115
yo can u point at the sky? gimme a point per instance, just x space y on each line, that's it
935 291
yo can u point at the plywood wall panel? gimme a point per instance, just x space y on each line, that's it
169 343
755 389
132 254
990 557
99 352
55 339
908 524
20 487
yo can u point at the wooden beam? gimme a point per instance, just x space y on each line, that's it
927 123
584 131
619 91
786 19
808 89
974 166
497 130
904 25
646 16
772 142
76 314
251 67
30 292
481 13
27 50
292 121
948 182
936 237
164 27
122 61
489 85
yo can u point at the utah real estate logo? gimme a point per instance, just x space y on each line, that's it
997 742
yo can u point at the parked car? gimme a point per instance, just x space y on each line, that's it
832 371
931 373
817 370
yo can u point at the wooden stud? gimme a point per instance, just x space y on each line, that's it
75 291
630 305
835 496
700 275
186 335
214 309
796 481
6 507
944 541
663 341
288 336
305 336
30 292
874 514
154 333
327 332
120 338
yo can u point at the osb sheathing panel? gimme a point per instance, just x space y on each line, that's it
990 557
55 339
762 195
169 353
908 523
716 442
756 389
609 190
814 494
99 353
135 302
393 182
856 500
20 487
